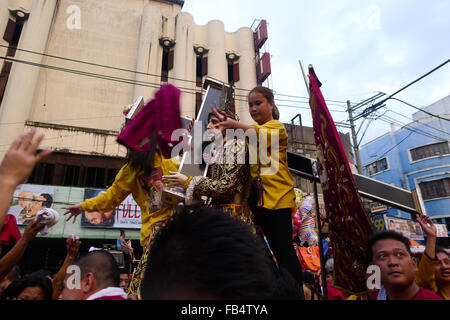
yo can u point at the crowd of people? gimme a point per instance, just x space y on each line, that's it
237 244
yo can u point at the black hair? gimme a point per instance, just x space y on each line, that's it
141 160
285 286
207 254
48 200
308 278
14 273
122 231
103 265
31 281
268 94
13 290
123 270
387 234
42 273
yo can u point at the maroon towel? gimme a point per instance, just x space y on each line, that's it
162 116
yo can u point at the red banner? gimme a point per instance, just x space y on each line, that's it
349 224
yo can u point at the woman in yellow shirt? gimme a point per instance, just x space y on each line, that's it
142 177
274 213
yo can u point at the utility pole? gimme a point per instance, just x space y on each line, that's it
355 140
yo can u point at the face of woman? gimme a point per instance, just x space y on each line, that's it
260 109
213 125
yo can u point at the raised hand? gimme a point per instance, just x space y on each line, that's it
32 230
72 246
74 211
21 158
427 225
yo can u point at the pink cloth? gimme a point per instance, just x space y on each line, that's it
10 233
162 116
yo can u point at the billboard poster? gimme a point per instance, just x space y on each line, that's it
379 223
29 199
127 215
408 228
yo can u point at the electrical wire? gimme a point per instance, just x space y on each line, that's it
121 80
426 125
142 73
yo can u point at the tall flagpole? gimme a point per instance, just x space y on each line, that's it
316 200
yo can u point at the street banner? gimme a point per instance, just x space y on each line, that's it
127 215
29 199
410 229
349 224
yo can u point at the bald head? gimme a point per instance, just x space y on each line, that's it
104 267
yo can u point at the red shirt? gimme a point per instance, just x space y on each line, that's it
422 294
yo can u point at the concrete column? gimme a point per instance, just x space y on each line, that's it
149 56
184 62
247 72
17 102
217 63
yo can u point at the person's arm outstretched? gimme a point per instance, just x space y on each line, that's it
72 246
425 276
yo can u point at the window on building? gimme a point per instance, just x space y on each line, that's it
42 174
12 35
377 166
71 175
435 189
430 150
233 72
201 69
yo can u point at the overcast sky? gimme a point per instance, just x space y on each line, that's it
357 48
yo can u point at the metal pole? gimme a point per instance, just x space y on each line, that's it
304 76
355 140
319 233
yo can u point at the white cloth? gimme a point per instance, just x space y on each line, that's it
108 292
48 217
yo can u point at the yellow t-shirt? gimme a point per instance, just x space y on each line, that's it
128 181
277 181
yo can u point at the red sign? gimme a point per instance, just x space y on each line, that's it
260 35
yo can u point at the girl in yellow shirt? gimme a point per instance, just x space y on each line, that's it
274 214
141 176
